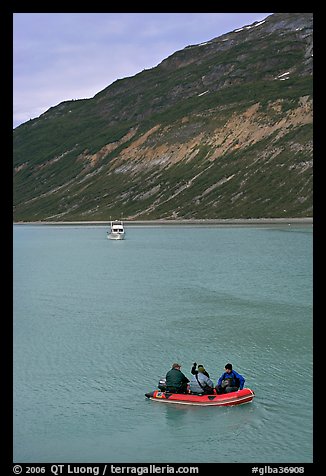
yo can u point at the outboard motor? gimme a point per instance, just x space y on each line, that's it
162 384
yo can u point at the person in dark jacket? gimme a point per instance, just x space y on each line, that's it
176 381
229 381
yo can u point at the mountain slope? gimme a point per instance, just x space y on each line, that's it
217 130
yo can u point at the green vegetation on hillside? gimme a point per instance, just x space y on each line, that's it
191 95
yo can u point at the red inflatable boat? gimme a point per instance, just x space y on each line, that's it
226 399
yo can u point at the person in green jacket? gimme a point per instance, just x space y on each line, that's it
176 381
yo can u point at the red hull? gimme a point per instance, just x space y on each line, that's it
234 398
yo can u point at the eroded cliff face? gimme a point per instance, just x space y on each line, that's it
235 142
208 167
240 131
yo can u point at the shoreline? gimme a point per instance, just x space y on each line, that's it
192 222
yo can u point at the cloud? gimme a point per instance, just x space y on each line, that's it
63 56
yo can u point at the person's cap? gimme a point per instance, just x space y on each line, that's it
201 368
176 366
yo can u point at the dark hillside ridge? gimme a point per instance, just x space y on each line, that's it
218 130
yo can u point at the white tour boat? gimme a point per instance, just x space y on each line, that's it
117 231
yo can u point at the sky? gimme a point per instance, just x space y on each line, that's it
63 56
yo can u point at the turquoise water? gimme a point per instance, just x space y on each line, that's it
98 322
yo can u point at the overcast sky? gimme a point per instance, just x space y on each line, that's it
63 56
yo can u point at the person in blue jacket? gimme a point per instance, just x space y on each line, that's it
229 381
